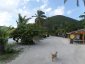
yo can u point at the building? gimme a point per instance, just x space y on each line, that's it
77 36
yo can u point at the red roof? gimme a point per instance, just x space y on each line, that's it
77 31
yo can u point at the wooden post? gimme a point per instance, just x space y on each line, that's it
83 37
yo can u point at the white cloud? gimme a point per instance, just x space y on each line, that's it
38 0
9 4
9 10
43 1
32 20
71 11
45 8
24 12
5 18
59 10
12 4
48 9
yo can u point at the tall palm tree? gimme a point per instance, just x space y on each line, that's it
77 2
39 17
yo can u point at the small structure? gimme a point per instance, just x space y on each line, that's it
77 36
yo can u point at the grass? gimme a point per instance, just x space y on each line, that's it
10 54
7 57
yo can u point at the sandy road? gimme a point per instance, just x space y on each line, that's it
41 53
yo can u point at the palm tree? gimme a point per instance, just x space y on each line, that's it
82 16
77 2
21 27
39 17
22 20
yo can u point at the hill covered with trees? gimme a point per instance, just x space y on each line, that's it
62 24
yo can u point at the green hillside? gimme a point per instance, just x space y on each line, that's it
61 24
4 27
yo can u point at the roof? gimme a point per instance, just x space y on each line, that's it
77 31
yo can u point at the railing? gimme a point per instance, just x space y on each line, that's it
79 41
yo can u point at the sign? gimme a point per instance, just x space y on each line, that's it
72 36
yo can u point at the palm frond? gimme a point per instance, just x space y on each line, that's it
84 2
65 1
43 16
77 2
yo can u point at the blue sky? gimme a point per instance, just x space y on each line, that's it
9 9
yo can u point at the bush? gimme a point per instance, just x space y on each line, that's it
26 40
4 47
9 48
3 43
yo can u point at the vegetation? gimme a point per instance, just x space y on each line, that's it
55 25
61 24
7 57
25 32
40 18
7 51
39 23
82 16
22 30
3 40
82 21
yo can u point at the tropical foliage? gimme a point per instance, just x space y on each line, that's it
22 30
25 32
3 39
82 16
56 25
40 17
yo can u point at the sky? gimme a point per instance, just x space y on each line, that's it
9 9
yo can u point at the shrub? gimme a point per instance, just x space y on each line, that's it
9 48
26 40
3 42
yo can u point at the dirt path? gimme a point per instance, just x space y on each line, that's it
41 53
